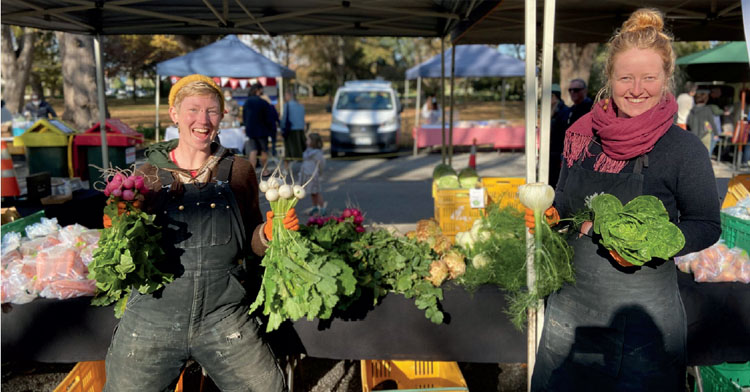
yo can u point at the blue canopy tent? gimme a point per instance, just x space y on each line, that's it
468 61
471 61
227 57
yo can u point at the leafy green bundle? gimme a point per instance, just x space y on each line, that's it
128 256
638 231
301 279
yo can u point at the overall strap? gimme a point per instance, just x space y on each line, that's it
640 163
224 170
165 177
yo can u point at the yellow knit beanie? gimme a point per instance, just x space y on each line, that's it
195 78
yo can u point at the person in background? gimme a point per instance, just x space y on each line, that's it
431 113
581 101
272 124
292 129
232 115
38 108
313 163
7 116
558 126
701 121
255 117
685 102
206 200
622 327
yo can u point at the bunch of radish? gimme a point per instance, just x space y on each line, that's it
124 190
282 196
352 215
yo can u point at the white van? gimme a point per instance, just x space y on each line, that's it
365 117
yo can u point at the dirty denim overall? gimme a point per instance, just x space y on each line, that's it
616 328
203 313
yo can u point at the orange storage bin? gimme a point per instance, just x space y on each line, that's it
90 376
411 375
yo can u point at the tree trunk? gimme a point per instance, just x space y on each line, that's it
16 66
79 79
575 62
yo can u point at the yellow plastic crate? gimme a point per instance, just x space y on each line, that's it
504 190
737 189
91 376
85 377
411 375
453 211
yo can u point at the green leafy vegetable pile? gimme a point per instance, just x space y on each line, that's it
128 256
383 263
638 231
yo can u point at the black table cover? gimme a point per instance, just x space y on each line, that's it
475 329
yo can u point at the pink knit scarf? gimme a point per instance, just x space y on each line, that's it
621 138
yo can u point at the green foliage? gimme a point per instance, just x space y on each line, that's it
128 256
301 279
383 263
507 252
639 231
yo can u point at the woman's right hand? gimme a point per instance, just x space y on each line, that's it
551 215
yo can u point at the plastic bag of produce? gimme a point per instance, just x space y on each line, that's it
58 262
44 228
17 287
11 242
67 288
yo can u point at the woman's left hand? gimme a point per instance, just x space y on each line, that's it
291 222
619 259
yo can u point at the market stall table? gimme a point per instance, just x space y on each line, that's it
464 134
233 138
476 329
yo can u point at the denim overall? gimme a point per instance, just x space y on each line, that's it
203 313
615 329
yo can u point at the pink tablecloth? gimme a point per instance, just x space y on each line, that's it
500 137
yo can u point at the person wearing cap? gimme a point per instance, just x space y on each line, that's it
38 108
559 124
206 201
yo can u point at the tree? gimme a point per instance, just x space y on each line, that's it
45 72
17 53
575 62
79 79
136 55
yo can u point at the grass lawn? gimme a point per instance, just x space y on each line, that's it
141 113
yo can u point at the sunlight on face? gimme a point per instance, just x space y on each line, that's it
198 118
638 81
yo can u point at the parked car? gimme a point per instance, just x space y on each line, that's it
365 117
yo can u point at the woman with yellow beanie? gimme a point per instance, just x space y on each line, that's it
206 201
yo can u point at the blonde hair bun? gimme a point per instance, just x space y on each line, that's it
642 19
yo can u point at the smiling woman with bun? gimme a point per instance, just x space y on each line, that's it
622 327
213 234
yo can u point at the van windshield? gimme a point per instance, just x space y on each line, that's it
364 100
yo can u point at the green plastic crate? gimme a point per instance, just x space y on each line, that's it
726 377
735 231
19 225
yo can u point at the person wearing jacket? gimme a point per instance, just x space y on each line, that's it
622 327
206 201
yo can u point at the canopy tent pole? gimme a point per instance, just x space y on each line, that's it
442 95
548 40
530 120
156 126
417 111
450 129
401 105
100 100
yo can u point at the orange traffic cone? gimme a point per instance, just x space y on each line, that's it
9 186
473 155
